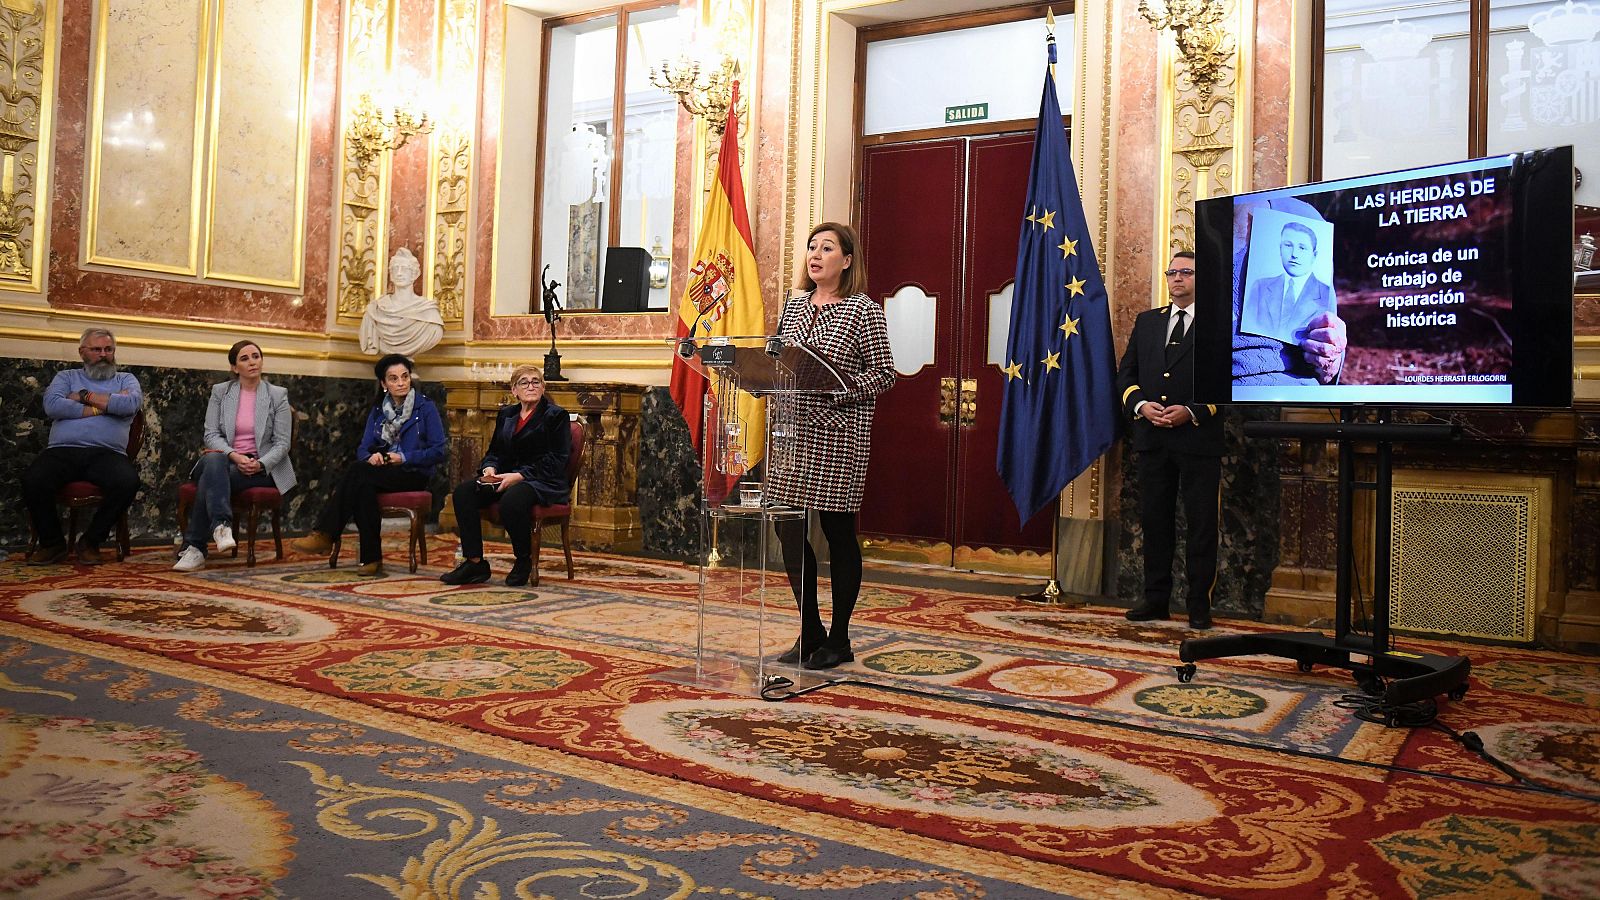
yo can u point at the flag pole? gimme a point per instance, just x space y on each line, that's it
1051 594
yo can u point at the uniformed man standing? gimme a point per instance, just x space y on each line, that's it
1179 448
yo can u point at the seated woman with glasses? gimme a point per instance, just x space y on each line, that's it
525 466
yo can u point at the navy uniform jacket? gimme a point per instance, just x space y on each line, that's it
1145 375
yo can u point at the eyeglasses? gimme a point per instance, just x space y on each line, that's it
527 382
1187 273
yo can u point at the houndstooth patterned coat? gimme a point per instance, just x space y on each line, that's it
830 471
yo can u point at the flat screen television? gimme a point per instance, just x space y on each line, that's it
1452 285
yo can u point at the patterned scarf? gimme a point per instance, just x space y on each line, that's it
394 418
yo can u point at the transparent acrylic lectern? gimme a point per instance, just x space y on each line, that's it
747 615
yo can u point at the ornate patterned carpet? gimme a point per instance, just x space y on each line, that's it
297 731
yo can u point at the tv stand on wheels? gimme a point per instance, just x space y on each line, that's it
1395 677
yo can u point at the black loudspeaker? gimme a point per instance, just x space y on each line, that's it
627 280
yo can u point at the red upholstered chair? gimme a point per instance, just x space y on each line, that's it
80 495
546 515
414 505
250 503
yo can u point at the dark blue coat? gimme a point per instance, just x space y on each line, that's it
422 442
539 452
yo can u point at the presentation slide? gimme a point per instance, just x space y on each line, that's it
1413 270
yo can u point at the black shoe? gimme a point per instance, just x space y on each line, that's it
792 655
468 572
48 556
1145 612
827 657
518 576
1199 621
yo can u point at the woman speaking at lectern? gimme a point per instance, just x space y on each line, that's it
832 315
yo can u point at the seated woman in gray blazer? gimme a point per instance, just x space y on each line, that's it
246 446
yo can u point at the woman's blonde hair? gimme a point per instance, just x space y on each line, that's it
853 280
526 369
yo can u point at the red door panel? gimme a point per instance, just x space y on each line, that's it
912 197
997 183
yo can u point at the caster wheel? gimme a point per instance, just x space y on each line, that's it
1459 692
1185 672
1303 666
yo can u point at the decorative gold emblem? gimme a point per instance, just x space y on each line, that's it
711 288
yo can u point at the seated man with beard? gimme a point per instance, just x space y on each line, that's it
90 410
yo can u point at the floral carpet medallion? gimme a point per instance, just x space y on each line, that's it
929 661
177 614
321 576
1569 682
918 765
1053 681
1200 701
484 597
1484 856
454 672
1565 753
669 629
106 809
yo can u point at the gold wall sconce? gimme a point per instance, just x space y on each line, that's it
703 85
1205 47
374 130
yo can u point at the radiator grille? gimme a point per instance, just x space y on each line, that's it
1465 562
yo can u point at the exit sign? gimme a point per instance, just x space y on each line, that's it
972 112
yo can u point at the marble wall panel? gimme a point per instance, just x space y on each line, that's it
669 514
257 182
408 167
491 81
331 414
1248 525
71 286
1271 103
145 161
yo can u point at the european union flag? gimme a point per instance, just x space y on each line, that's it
1060 410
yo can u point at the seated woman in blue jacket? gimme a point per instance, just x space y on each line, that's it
404 440
526 466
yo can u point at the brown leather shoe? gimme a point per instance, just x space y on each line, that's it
370 570
47 556
90 556
315 543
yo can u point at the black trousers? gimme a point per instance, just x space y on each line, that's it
800 561
356 497
1164 476
109 470
516 515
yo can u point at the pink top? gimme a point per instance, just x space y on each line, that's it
244 427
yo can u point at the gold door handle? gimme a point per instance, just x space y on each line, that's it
969 402
947 401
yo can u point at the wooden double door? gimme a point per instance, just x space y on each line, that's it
939 229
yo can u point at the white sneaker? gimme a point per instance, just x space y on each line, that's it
189 560
222 536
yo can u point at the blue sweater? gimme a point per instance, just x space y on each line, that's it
69 427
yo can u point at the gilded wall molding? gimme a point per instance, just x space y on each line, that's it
1203 135
28 37
450 164
364 189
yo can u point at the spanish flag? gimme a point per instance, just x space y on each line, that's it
722 297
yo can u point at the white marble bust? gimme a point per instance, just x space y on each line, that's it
401 321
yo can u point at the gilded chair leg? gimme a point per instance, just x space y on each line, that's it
333 554
536 545
277 536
